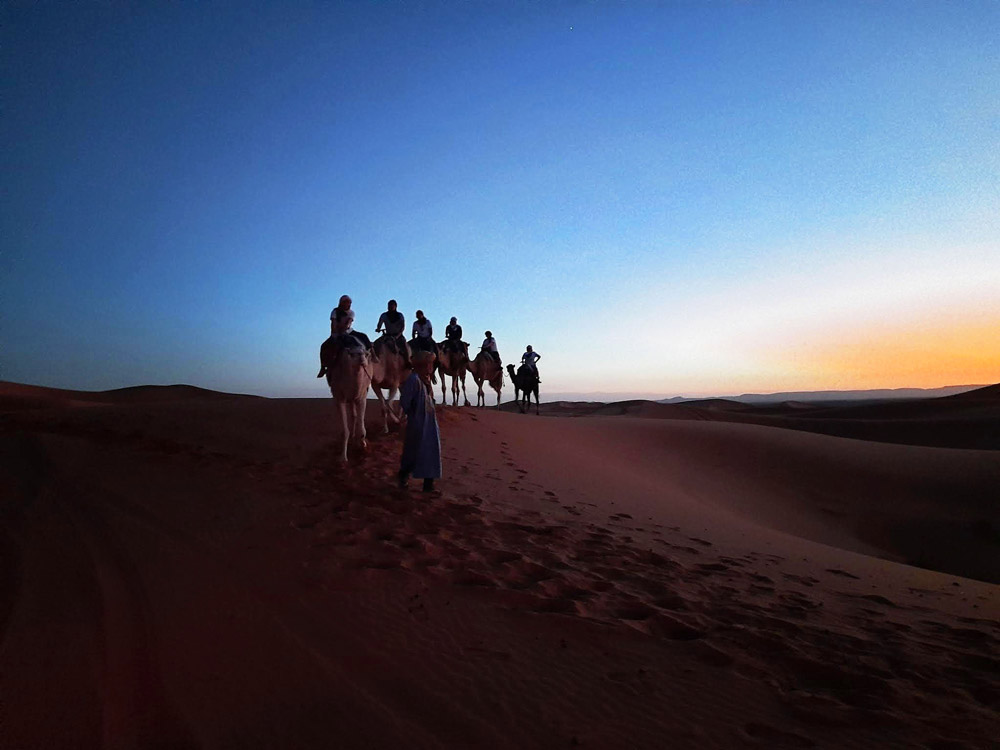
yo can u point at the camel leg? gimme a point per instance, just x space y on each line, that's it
385 408
536 403
465 396
396 417
360 433
342 406
480 396
443 379
454 390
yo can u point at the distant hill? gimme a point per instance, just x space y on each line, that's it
712 404
19 396
970 419
879 394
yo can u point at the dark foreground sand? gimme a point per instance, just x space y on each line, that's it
179 569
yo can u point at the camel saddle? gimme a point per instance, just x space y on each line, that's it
392 343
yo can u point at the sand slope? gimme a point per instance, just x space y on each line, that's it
200 573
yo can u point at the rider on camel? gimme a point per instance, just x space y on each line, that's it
530 357
490 347
453 338
393 323
423 333
341 330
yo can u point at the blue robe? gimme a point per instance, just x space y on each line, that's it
422 445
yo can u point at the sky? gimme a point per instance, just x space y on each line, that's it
674 198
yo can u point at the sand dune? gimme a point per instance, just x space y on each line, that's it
940 422
989 392
16 396
201 573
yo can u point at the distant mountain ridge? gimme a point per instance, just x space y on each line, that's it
849 395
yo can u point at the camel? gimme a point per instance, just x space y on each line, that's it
486 369
525 381
349 375
389 371
456 365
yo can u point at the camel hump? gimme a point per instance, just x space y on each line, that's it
525 372
388 344
343 342
350 341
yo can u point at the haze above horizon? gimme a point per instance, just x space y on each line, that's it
692 198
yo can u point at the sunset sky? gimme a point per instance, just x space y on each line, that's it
697 198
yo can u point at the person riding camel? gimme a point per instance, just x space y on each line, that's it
393 323
530 357
341 330
342 322
453 338
423 333
490 347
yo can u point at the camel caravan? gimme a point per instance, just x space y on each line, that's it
352 363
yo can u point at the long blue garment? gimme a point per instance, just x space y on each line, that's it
422 445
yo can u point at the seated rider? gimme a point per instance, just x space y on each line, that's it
453 338
490 347
530 357
423 333
341 328
393 323
342 323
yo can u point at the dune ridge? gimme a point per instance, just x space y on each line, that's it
18 396
967 420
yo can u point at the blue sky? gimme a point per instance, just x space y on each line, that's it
662 198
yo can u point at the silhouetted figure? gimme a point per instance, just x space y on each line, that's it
423 334
530 357
422 445
393 323
490 347
453 338
341 325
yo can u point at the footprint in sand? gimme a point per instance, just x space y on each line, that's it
804 580
709 568
681 547
843 573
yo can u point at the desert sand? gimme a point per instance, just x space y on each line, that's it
188 569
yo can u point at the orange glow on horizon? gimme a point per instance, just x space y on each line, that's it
925 354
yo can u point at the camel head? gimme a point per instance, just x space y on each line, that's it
350 376
510 369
